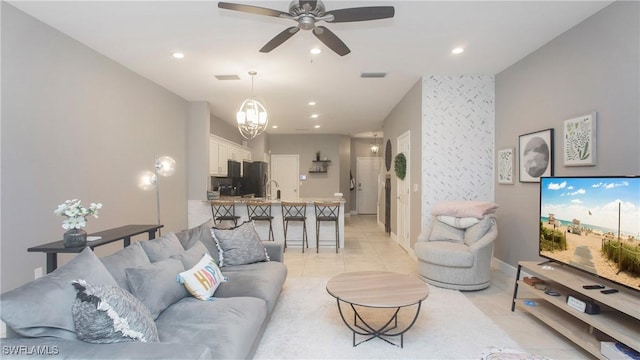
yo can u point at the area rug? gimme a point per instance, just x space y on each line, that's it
306 324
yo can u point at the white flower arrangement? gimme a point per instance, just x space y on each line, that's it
76 214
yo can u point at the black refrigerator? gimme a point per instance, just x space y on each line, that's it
255 175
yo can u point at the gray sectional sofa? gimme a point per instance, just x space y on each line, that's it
227 326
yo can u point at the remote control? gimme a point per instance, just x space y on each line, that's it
592 287
609 291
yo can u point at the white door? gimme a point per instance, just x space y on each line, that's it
367 171
403 198
285 170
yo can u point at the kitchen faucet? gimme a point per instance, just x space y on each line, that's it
268 188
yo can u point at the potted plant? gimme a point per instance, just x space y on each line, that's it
76 219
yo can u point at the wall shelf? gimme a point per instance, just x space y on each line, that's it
319 167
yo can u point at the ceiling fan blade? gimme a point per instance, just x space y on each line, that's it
312 4
331 40
362 13
251 9
279 39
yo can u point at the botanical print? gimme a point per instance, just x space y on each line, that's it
579 141
505 166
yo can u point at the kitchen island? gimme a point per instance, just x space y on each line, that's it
200 211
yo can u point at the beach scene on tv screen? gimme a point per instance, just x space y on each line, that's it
593 224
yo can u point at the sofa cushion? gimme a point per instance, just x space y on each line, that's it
162 248
263 280
444 253
443 232
109 314
202 233
477 231
192 256
239 245
203 279
458 222
156 285
23 309
129 257
227 326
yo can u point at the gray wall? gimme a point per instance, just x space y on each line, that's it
592 67
333 147
407 115
75 124
225 130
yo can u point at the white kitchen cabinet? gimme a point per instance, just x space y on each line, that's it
220 151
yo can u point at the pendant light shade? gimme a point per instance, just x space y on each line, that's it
252 116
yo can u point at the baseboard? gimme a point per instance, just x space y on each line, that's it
353 212
507 268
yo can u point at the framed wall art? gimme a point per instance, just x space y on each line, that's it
536 155
505 166
579 147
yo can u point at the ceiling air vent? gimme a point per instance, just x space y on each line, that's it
227 77
373 75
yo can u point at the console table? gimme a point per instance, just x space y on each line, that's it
107 236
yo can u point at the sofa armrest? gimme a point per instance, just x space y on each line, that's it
47 348
274 250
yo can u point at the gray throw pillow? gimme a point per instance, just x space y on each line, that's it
163 247
156 284
444 232
109 314
239 245
129 257
200 233
192 256
27 312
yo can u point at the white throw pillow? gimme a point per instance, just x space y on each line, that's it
203 279
458 222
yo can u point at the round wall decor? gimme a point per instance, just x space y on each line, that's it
400 166
387 155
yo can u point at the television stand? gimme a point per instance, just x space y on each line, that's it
619 316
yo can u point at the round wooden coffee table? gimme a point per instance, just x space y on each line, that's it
377 289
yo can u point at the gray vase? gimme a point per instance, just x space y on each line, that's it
74 238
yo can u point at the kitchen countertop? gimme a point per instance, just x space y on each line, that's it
241 200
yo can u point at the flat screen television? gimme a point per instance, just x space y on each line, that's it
593 224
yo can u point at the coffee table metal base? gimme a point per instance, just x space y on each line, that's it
384 332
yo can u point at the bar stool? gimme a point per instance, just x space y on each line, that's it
261 211
327 211
223 210
294 211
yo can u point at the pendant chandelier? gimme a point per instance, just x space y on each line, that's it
252 116
374 146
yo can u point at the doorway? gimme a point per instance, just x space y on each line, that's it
285 170
403 199
367 184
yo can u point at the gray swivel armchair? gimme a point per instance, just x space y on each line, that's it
457 255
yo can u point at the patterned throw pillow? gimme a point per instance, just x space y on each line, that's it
458 222
108 314
203 279
239 245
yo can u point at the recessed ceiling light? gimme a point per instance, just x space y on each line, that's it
317 126
457 50
314 116
178 55
274 127
311 103
315 51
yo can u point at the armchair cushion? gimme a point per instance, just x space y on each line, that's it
477 231
464 208
444 232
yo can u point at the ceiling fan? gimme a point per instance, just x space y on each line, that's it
306 13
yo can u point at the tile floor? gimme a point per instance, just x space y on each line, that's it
367 247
